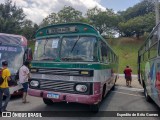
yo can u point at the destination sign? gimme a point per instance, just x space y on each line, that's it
61 30
10 49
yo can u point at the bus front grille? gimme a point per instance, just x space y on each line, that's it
57 86
61 86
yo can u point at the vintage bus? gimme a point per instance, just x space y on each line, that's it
13 48
149 66
72 63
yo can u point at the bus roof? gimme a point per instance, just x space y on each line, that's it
23 40
66 28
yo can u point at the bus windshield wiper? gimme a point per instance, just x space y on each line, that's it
75 44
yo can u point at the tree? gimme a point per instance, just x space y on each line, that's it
138 25
69 14
11 18
29 29
138 19
51 19
104 21
140 9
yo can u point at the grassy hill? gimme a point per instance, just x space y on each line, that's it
127 50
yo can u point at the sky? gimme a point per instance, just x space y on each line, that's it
37 10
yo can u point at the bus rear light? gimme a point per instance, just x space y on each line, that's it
81 88
34 83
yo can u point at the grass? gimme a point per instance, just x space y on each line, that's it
127 50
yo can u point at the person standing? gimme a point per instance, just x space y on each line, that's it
24 75
4 88
128 76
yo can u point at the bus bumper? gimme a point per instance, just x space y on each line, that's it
67 97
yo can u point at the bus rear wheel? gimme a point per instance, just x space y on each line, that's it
148 99
94 108
47 101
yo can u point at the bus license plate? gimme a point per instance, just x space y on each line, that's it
52 95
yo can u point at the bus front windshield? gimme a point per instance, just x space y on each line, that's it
79 48
14 56
46 49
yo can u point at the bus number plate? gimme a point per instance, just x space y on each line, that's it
52 95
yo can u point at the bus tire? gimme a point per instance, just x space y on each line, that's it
113 87
104 91
95 108
147 97
47 101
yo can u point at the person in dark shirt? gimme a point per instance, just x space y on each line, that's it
128 76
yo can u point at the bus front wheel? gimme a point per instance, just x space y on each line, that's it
47 101
146 95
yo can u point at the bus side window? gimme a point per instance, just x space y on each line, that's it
104 52
153 50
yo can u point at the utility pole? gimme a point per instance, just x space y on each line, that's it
157 11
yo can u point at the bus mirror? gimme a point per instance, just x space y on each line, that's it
28 54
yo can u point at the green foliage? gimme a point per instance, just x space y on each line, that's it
12 20
29 29
31 45
69 14
138 25
11 17
104 21
138 19
66 15
140 9
51 19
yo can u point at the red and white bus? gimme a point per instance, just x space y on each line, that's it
13 48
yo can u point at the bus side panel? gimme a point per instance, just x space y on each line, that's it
152 80
105 77
155 80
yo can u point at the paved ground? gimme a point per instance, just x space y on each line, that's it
122 82
121 99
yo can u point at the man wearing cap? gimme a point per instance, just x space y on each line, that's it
4 88
24 74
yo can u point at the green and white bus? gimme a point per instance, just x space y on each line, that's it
149 66
72 63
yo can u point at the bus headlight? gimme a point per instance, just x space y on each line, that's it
34 83
81 88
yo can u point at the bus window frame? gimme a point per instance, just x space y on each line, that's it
156 51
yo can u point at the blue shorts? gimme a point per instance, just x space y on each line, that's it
25 86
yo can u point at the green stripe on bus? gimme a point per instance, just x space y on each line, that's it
72 65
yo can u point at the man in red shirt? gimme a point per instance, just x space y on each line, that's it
128 77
